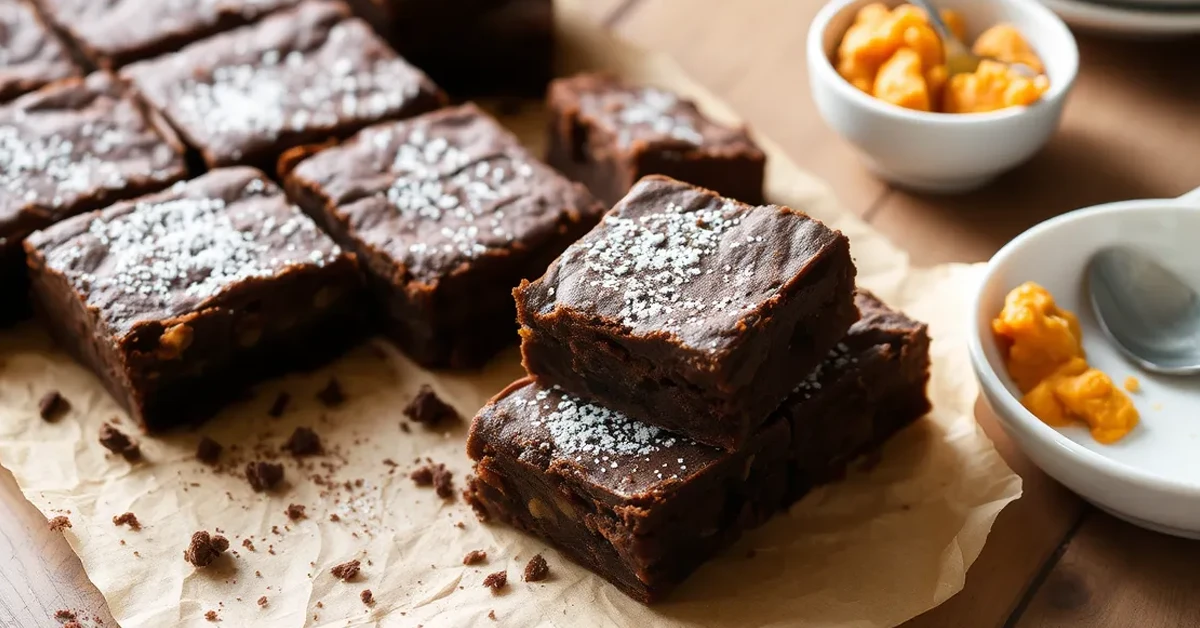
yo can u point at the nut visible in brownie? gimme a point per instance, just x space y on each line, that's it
346 571
181 300
295 512
474 557
119 443
208 450
607 135
496 581
52 406
689 311
31 56
59 523
263 476
128 519
298 76
428 408
537 569
205 548
304 442
446 212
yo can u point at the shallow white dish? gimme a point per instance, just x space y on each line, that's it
1130 18
1151 477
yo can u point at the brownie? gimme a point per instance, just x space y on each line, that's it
299 76
30 55
607 135
642 507
447 213
77 145
113 33
689 311
182 299
472 47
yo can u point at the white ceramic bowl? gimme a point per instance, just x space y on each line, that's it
1152 476
940 152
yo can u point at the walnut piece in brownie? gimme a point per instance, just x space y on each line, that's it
474 557
367 597
346 571
208 450
117 442
59 523
279 405
428 408
496 581
263 476
300 76
205 548
304 442
295 512
52 406
128 519
537 569
332 396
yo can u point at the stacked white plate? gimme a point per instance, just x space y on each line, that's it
1131 18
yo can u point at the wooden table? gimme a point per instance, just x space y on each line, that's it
1132 130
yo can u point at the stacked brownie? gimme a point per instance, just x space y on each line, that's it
697 364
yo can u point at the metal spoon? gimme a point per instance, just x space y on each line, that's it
959 58
1148 311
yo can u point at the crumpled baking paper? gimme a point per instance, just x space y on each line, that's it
875 550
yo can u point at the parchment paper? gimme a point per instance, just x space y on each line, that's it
875 550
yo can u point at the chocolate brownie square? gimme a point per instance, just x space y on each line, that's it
113 33
73 146
690 311
607 135
180 300
30 55
447 213
299 76
643 507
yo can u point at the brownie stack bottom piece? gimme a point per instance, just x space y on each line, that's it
644 508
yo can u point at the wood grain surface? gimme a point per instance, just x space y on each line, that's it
1131 130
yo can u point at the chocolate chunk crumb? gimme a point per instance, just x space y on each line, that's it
404 428
52 406
537 569
422 476
279 405
304 442
346 571
64 615
129 519
117 442
474 557
263 476
437 476
212 616
72 624
205 548
492 615
208 451
496 581
59 523
295 512
331 395
246 543
367 597
262 601
429 409
334 517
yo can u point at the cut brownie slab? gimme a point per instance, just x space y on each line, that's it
74 146
181 299
30 55
690 311
113 33
642 507
447 214
299 76
608 135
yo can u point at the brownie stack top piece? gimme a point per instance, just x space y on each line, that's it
30 55
298 76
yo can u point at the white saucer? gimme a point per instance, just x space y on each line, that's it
1152 476
1136 19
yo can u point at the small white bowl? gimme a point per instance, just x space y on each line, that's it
1150 478
938 152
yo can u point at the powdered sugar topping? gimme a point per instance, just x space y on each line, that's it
656 110
71 166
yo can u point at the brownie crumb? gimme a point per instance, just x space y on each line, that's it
346 571
437 476
117 442
263 476
59 523
205 548
279 405
429 409
52 406
367 597
474 557
492 615
333 516
537 569
404 428
64 615
129 519
496 581
262 601
208 451
246 543
304 442
212 616
331 395
295 512
72 624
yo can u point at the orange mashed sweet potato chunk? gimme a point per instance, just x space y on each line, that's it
1043 352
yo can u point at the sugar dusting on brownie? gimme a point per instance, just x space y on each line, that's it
658 111
839 358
